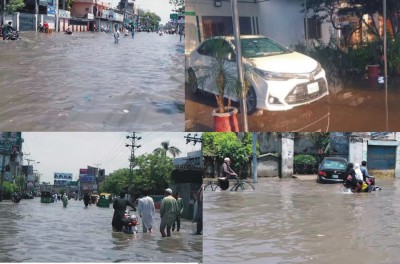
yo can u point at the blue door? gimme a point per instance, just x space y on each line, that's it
381 157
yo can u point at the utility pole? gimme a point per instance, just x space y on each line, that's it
195 139
133 146
97 175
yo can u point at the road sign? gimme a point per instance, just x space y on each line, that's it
173 16
190 13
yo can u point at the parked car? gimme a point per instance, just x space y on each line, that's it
332 170
280 78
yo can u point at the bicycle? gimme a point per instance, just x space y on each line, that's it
240 183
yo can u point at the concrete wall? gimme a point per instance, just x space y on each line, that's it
287 155
267 167
357 150
397 169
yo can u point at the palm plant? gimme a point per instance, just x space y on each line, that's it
165 147
219 71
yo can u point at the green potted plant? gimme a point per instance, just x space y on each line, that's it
224 81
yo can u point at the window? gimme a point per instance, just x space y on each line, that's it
314 28
222 26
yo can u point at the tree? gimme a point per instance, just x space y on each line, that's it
222 145
20 181
165 147
152 172
13 5
328 10
149 19
178 4
116 182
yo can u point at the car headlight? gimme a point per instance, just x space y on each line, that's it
318 69
274 76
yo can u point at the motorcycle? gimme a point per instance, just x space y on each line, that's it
367 186
13 35
130 223
16 198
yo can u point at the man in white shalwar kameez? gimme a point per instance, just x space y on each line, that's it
146 211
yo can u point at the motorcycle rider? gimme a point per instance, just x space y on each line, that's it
119 206
366 176
7 28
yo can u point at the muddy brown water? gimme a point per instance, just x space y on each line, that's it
85 82
35 232
294 221
350 109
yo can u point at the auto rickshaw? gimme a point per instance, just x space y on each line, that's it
104 200
46 197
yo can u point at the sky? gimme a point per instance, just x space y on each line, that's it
161 7
67 152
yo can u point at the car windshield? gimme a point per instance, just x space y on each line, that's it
261 47
334 164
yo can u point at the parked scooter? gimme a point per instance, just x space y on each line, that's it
130 223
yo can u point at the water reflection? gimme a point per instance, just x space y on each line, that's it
288 221
86 82
36 232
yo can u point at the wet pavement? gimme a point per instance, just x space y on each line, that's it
35 232
85 82
359 108
294 221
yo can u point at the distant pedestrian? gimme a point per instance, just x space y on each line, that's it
168 212
146 211
65 199
179 202
46 27
181 32
86 199
133 31
116 35
55 197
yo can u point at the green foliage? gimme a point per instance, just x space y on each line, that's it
304 159
166 148
222 145
116 182
13 5
152 172
20 182
8 189
149 19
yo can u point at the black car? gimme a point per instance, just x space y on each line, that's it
332 170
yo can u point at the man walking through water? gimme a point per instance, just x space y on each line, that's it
133 31
146 211
119 211
168 212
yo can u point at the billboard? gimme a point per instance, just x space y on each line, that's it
87 175
62 178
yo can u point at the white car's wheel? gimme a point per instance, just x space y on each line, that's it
193 82
251 101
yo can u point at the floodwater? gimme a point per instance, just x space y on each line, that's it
350 108
294 221
35 232
86 82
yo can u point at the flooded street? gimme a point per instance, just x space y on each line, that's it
351 109
36 232
294 221
85 82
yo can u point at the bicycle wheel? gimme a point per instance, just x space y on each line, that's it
210 186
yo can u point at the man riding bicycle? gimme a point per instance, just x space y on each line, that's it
226 173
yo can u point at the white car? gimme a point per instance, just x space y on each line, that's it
280 78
